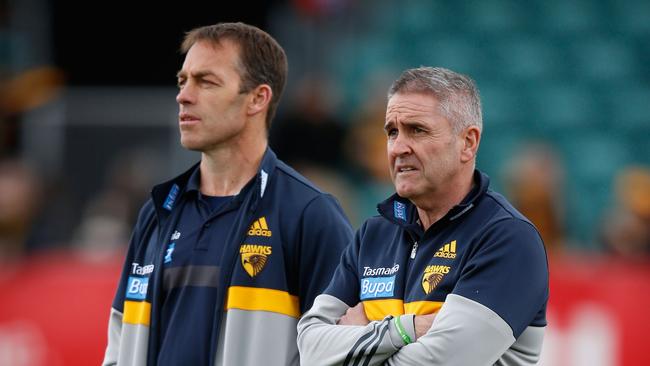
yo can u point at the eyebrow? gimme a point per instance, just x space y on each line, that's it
407 123
198 74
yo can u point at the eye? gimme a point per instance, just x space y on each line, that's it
208 83
180 83
418 130
391 132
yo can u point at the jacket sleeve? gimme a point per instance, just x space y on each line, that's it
112 353
463 333
325 232
322 342
501 290
114 338
117 310
508 274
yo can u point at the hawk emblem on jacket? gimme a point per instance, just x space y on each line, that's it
254 258
433 276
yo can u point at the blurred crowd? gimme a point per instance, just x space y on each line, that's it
341 149
346 158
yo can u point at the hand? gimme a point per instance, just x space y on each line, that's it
423 324
354 316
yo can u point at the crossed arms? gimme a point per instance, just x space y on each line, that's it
485 320
462 333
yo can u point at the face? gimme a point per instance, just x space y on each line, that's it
424 154
212 111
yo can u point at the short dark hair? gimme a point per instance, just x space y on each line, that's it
457 94
262 59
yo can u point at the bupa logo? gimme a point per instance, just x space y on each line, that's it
254 258
260 228
373 287
136 288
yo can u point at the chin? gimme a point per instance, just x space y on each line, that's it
404 192
191 145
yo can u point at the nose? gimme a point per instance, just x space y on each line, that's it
399 146
186 95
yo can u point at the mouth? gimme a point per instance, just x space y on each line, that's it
187 119
404 169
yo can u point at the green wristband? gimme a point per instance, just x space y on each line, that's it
402 331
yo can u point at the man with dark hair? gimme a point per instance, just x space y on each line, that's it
448 273
226 257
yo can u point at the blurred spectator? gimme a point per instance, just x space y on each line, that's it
25 198
56 216
310 138
47 211
309 133
321 8
534 182
366 153
633 191
626 227
366 142
107 218
30 89
104 224
20 198
22 92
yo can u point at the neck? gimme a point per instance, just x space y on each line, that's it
438 205
225 171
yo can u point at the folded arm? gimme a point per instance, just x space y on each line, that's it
322 341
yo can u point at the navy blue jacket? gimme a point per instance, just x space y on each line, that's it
279 255
480 250
481 269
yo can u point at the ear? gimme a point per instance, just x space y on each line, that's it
471 139
260 97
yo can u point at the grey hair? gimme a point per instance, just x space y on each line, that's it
457 94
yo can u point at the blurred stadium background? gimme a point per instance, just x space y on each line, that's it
88 125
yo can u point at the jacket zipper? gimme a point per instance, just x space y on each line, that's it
414 250
229 267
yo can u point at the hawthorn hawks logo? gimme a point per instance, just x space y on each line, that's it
254 258
432 276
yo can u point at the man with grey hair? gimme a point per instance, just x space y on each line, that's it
448 273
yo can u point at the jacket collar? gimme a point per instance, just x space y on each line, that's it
166 195
403 212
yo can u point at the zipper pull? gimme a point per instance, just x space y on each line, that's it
414 250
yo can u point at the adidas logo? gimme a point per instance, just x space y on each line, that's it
259 228
447 251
